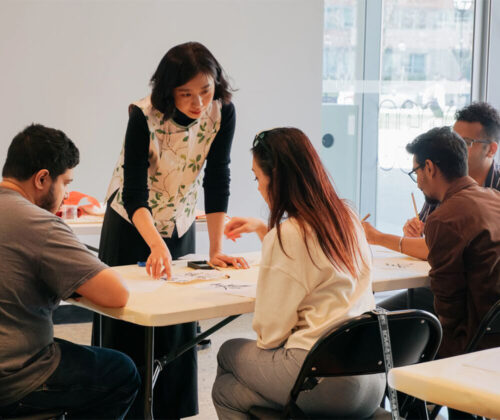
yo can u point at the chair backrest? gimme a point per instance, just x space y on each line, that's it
490 324
354 346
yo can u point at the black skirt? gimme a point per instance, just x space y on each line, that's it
176 390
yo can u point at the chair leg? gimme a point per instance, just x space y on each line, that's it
435 411
417 409
293 411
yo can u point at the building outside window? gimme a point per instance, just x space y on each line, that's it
425 61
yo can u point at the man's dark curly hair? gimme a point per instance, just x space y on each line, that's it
38 147
484 114
444 148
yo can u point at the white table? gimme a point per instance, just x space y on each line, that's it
92 225
394 271
86 225
186 304
470 382
171 304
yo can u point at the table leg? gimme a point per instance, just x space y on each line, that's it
148 375
99 332
175 353
152 373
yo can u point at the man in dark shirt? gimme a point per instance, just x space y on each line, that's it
464 244
479 125
42 263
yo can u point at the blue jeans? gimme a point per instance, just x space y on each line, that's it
89 383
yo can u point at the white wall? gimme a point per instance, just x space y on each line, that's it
76 65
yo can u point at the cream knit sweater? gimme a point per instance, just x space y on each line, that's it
297 301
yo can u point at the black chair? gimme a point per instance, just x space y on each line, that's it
354 347
489 325
47 415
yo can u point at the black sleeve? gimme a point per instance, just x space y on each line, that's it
136 163
217 175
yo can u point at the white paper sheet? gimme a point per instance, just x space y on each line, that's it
197 275
398 265
237 289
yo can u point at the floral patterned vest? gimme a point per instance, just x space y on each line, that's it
176 156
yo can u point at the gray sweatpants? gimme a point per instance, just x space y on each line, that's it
248 376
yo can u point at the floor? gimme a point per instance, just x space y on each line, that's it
207 362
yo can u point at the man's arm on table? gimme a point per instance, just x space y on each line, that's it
414 247
105 289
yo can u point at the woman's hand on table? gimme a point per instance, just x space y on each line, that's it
222 260
238 225
159 261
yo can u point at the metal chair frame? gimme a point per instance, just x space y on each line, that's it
354 347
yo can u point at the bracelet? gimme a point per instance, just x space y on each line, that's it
400 244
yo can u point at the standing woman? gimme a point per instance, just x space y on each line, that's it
315 271
188 119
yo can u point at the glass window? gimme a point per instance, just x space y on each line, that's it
425 67
339 150
426 61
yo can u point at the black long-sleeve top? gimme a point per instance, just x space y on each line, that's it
135 168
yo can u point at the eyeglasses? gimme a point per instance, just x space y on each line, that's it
413 173
469 142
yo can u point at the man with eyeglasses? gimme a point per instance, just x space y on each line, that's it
463 237
479 125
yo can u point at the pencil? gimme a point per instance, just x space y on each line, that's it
415 206
366 217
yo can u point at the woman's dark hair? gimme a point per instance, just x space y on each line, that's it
483 113
444 148
36 148
177 67
300 187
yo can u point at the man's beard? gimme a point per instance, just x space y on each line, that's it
47 202
431 201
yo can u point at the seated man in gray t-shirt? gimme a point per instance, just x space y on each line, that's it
43 262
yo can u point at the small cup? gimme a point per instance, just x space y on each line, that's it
69 211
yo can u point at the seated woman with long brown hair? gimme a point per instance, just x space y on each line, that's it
315 271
